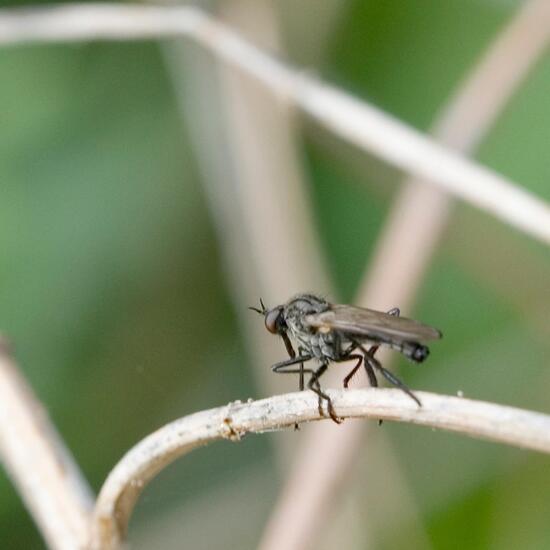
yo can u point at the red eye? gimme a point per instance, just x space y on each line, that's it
272 320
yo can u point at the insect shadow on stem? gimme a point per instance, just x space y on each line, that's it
333 333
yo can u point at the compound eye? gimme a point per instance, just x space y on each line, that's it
272 320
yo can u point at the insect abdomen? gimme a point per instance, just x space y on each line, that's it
421 353
415 352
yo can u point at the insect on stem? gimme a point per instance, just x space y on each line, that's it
334 333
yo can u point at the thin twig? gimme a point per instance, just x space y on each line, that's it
39 464
403 253
117 498
352 119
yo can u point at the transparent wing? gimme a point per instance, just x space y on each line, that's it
368 322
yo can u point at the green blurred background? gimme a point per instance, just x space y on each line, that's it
113 293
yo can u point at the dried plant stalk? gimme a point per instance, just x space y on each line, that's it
359 123
528 430
39 464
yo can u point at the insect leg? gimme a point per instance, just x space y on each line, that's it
390 377
355 368
314 381
288 344
368 367
314 386
346 355
370 372
302 371
280 367
373 349
283 368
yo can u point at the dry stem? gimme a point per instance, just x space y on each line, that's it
352 119
479 419
39 464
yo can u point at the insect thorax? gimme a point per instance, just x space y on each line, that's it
316 343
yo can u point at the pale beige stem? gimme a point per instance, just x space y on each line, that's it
529 430
39 464
361 124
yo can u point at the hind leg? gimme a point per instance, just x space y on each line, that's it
395 311
390 377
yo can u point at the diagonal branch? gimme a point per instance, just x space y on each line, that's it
39 464
244 143
516 427
359 123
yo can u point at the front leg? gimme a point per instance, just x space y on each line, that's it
314 386
281 366
301 371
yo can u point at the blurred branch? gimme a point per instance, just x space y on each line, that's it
244 142
420 212
516 427
361 124
39 464
404 250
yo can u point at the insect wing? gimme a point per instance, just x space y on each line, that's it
368 322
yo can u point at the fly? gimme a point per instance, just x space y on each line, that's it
333 333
